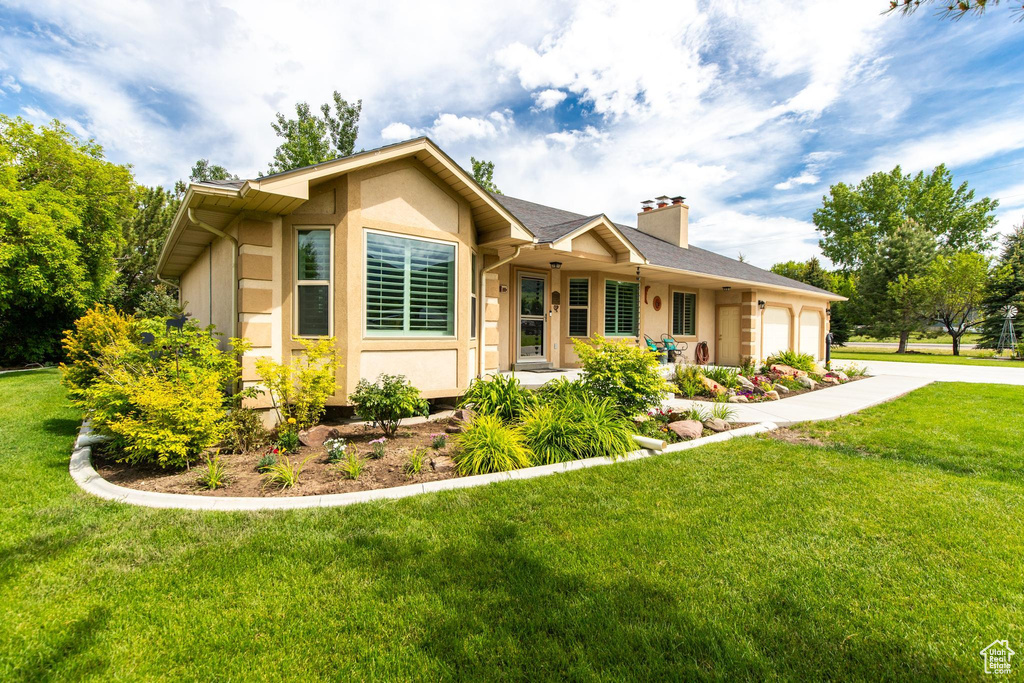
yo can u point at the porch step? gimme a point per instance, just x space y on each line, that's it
532 366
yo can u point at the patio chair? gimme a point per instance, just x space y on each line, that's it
673 347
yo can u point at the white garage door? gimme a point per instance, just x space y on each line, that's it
776 330
810 333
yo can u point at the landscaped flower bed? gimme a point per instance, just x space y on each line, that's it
786 374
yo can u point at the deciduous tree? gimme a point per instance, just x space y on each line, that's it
310 139
952 288
483 174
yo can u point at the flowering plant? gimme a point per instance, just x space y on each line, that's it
377 447
335 449
438 441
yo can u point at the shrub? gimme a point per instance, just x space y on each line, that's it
438 441
606 431
501 396
283 473
688 381
856 370
489 445
388 400
550 436
352 465
561 388
577 427
215 476
288 439
724 376
414 463
377 448
627 374
267 461
94 333
800 361
300 389
245 431
696 413
335 449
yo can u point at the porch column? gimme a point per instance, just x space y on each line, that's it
490 323
748 325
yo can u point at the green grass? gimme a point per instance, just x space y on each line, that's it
922 357
918 337
866 559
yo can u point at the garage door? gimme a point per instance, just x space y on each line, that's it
776 330
810 333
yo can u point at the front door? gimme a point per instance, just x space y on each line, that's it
532 317
728 336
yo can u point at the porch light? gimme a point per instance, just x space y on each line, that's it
760 304
555 265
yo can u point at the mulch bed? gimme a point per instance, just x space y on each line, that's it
782 397
318 476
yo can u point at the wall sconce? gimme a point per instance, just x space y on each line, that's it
726 288
828 313
555 265
760 304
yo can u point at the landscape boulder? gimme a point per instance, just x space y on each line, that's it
739 398
780 369
716 424
772 395
744 382
458 421
806 382
314 437
686 429
712 386
829 379
843 377
781 388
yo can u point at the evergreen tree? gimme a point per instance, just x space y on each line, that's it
1005 288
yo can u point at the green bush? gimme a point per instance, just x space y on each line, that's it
561 388
215 477
100 329
288 439
627 374
489 445
387 401
723 411
501 396
577 427
724 376
284 474
799 361
352 465
688 381
606 431
245 431
550 436
300 389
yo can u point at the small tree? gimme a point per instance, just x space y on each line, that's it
952 290
300 389
483 174
310 139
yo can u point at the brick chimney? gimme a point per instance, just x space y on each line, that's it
669 222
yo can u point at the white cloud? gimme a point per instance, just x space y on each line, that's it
802 179
548 99
397 131
570 138
36 115
764 240
953 146
8 84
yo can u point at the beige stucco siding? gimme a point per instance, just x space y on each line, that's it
206 288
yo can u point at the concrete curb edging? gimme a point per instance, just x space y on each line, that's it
89 480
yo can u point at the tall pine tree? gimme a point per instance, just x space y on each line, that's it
1005 287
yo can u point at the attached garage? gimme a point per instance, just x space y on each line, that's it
776 322
810 333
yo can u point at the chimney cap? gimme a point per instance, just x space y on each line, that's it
664 196
678 200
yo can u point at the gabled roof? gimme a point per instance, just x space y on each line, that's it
550 224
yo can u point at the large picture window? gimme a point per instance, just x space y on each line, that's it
313 283
621 308
684 314
579 307
410 286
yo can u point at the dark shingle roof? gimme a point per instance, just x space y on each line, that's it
235 183
550 224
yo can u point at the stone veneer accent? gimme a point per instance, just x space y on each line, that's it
256 294
748 325
491 313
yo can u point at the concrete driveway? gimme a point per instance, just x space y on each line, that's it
938 372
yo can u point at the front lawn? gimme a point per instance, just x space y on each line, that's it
872 556
931 356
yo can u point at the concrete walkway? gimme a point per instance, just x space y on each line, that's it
938 372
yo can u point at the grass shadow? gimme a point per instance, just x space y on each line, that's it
75 642
61 426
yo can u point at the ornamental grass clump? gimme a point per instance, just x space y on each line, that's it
284 473
798 361
489 445
577 427
688 381
215 476
501 396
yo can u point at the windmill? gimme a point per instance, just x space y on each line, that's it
1008 337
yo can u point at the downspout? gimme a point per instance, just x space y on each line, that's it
234 267
481 304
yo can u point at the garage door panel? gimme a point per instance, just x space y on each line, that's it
810 333
776 330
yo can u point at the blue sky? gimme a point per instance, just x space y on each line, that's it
749 109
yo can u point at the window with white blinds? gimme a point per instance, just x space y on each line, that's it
313 283
579 307
410 286
684 314
621 308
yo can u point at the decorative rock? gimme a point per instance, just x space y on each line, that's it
781 388
716 424
829 379
820 369
738 398
772 395
464 415
843 377
454 428
314 437
788 371
744 382
687 429
442 463
712 386
806 382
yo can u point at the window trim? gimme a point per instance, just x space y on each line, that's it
569 307
296 283
634 283
696 307
370 336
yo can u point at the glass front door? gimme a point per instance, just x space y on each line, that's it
532 317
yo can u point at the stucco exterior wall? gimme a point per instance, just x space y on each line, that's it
205 288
